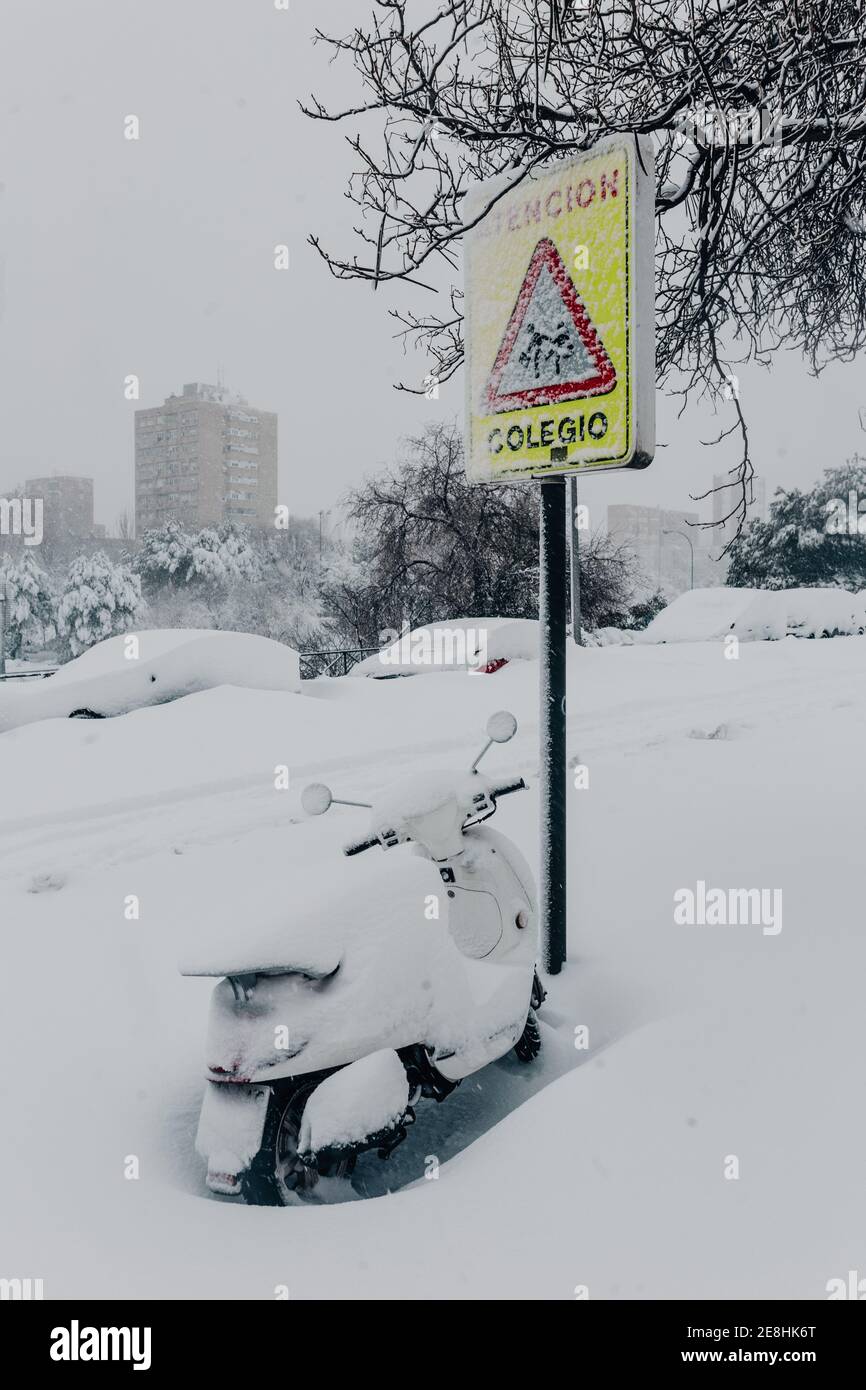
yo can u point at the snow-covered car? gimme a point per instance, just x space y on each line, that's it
458 644
754 615
136 669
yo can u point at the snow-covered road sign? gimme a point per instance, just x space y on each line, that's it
560 324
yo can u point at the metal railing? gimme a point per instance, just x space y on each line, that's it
335 661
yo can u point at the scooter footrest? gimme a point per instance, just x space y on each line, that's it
384 1141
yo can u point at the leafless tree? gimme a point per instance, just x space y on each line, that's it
429 546
757 112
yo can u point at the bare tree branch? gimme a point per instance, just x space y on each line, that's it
758 113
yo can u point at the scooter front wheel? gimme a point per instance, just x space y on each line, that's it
528 1045
277 1177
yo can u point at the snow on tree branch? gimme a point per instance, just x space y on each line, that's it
758 113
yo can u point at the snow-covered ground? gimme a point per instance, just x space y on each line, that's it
603 1167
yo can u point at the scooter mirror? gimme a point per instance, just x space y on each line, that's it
501 726
316 798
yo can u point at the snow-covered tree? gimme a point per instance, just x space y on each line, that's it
31 603
208 561
222 556
811 539
238 580
164 558
99 599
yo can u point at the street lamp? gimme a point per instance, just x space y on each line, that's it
691 548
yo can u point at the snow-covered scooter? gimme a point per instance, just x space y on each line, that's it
324 1052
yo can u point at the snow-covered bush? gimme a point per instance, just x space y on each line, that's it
31 604
99 599
164 557
813 539
235 580
213 558
223 555
641 614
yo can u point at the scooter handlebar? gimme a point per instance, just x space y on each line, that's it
358 846
507 788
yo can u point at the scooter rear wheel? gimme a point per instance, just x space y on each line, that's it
277 1177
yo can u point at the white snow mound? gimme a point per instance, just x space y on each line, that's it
168 665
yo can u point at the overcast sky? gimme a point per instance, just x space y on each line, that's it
155 257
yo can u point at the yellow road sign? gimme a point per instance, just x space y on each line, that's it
560 351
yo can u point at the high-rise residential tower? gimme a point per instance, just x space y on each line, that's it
67 506
205 457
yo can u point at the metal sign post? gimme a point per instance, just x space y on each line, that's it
552 762
3 597
560 379
576 634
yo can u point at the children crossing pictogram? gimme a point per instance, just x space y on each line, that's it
550 351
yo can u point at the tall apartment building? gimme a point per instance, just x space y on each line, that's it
205 457
67 506
663 559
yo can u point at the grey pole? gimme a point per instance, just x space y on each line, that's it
691 548
552 767
3 597
576 634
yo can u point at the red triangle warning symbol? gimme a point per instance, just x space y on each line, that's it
551 350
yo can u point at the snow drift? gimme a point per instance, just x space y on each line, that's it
702 1040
